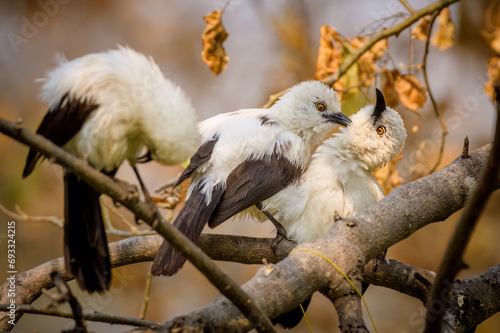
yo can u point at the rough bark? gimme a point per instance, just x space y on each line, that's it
472 301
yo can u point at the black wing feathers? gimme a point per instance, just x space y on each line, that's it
190 221
199 158
248 184
252 182
85 243
60 124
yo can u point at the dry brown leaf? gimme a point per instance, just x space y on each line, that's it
213 53
166 201
329 53
494 75
421 31
379 48
357 41
334 50
492 38
387 82
411 92
444 37
388 176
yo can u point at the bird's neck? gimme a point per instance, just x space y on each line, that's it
340 157
309 131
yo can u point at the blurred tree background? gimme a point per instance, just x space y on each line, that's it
271 46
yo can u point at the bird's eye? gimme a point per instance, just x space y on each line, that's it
320 106
380 130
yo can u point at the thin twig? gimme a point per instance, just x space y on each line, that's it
410 67
225 5
168 184
410 54
381 22
90 316
118 192
147 293
395 30
407 6
110 230
22 216
65 295
452 260
431 95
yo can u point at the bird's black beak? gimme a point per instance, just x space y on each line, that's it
379 107
338 118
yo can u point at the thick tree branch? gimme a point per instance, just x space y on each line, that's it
406 279
116 190
472 301
246 250
452 260
347 302
393 31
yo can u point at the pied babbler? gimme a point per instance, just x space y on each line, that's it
339 179
107 107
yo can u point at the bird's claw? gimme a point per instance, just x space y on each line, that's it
280 236
379 260
131 189
280 230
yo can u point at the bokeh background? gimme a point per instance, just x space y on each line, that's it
271 45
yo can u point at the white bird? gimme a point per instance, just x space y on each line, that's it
107 107
339 179
249 156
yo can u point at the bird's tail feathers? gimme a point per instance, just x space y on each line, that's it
85 242
191 220
292 318
31 161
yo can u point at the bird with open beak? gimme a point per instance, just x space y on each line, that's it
106 107
250 156
339 180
